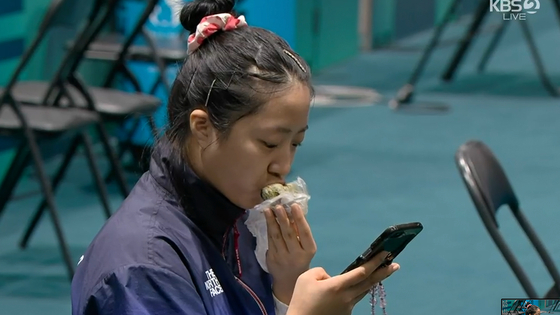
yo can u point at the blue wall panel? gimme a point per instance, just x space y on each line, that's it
278 16
413 16
10 6
11 48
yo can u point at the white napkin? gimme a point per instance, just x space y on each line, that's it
256 221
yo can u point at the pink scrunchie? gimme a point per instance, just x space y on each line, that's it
210 25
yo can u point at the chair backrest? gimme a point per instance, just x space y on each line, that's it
142 19
488 177
73 13
52 15
490 189
56 15
137 30
515 307
99 15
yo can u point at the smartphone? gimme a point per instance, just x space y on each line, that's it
393 240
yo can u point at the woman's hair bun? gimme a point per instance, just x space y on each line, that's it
194 11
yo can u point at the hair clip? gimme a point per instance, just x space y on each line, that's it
209 91
295 59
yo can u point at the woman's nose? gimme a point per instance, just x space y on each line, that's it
282 165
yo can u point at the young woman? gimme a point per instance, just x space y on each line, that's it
237 112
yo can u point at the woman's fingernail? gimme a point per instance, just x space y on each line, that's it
395 267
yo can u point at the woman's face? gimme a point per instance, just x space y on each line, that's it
258 151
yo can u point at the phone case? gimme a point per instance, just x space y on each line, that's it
393 240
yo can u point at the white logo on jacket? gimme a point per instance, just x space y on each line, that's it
212 284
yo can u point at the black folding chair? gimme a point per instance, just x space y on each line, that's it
515 307
116 47
554 307
406 92
67 89
52 127
490 189
119 49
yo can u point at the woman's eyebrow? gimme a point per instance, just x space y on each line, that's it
288 130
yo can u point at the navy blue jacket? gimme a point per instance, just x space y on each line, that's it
170 249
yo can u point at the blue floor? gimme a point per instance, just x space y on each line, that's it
368 168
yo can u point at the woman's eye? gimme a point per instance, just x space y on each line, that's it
269 145
297 144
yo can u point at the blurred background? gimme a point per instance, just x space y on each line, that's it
401 86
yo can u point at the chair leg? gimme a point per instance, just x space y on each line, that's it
492 46
101 188
56 181
153 89
556 4
406 92
543 76
48 194
479 15
153 127
123 147
154 54
552 293
19 162
115 164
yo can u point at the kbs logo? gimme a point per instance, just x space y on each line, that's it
515 9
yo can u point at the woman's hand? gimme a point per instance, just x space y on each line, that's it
291 248
316 293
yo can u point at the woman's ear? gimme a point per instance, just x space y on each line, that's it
201 128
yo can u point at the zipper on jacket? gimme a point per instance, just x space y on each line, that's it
245 286
235 246
254 295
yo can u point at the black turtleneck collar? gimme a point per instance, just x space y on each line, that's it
209 209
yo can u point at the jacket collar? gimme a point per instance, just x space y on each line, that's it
208 208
